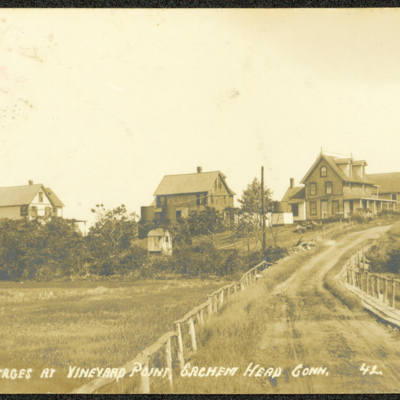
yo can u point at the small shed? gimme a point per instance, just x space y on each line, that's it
159 241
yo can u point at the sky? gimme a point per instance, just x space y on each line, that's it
100 104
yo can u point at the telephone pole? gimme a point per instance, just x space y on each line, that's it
263 207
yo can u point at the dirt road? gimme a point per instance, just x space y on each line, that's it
309 326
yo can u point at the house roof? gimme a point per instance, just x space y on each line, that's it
389 182
23 195
53 198
190 183
296 194
333 163
158 232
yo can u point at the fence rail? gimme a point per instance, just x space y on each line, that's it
193 318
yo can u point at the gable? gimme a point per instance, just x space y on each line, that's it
331 163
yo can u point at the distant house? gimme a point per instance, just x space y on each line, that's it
29 201
295 199
388 185
336 187
159 241
193 192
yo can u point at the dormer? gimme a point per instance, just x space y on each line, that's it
345 164
359 168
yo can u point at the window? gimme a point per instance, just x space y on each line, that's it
394 196
47 211
313 208
313 189
295 210
40 197
161 201
179 214
54 211
324 208
323 172
335 207
24 211
201 199
328 187
33 212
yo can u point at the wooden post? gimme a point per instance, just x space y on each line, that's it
192 334
385 296
199 321
221 297
234 288
180 346
227 293
168 356
202 316
372 286
378 289
216 303
363 255
210 308
144 386
242 284
394 293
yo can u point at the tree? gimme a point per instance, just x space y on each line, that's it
110 238
251 199
206 222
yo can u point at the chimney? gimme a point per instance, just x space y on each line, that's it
199 169
291 183
30 182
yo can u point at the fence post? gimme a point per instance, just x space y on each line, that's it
363 252
180 346
168 355
192 334
221 297
378 288
373 285
385 297
216 303
144 386
202 316
227 293
234 288
242 284
199 318
394 293
210 308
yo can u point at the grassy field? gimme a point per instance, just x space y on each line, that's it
85 324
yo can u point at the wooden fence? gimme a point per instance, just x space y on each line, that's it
377 286
193 318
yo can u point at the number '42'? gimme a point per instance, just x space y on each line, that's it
367 368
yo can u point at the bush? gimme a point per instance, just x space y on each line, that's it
384 256
362 215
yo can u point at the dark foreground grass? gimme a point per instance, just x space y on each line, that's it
101 324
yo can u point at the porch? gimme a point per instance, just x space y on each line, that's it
373 204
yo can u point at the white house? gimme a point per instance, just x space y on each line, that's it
159 241
29 201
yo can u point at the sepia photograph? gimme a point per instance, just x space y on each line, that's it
200 201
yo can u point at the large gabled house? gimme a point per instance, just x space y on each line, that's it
335 187
29 201
193 192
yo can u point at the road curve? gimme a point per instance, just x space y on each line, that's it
308 326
